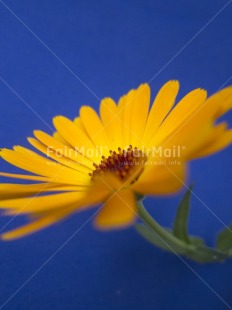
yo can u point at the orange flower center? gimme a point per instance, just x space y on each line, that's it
123 164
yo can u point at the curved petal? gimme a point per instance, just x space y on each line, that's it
162 105
58 157
161 180
60 148
118 211
47 210
216 145
25 177
46 203
187 138
111 122
10 191
133 111
32 227
78 122
76 137
30 161
95 129
224 99
59 138
180 114
196 130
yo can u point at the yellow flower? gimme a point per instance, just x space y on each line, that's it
128 150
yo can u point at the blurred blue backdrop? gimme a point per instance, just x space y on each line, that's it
47 47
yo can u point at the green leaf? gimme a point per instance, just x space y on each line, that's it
180 229
224 239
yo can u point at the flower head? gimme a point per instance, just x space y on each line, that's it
109 159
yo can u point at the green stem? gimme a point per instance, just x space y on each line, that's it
197 252
168 238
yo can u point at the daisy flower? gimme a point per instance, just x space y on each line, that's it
110 159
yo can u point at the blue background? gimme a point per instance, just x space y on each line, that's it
111 46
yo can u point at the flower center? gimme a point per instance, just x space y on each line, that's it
124 164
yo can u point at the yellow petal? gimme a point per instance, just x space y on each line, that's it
79 124
133 111
59 138
111 122
215 133
76 137
188 138
196 130
180 114
24 177
95 129
118 211
124 112
50 209
215 105
57 156
205 113
10 191
161 179
42 203
48 216
72 201
60 148
160 108
107 182
217 145
44 167
138 114
31 227
98 192
224 101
